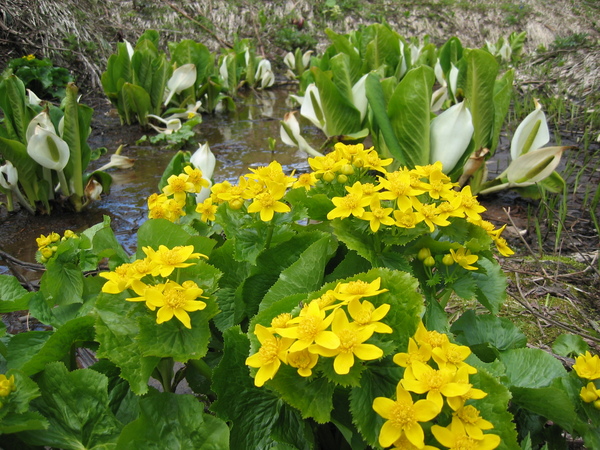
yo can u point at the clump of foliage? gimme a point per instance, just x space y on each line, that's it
40 76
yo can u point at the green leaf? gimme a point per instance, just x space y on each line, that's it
491 284
343 45
486 334
571 345
312 396
76 405
550 402
253 411
519 362
503 89
409 111
377 381
384 49
16 152
156 232
136 103
12 103
31 351
304 275
381 120
174 421
15 414
13 296
482 69
494 407
117 332
62 284
341 117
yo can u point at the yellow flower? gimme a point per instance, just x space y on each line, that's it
400 187
326 167
44 241
141 289
273 173
176 300
377 215
177 187
195 177
311 327
403 417
358 289
455 438
463 257
589 393
234 195
435 382
415 353
373 162
432 338
503 247
587 366
207 209
29 57
267 203
431 215
452 356
406 219
467 203
268 359
306 180
473 423
140 268
167 260
352 344
118 281
364 314
7 385
439 184
462 376
304 361
352 204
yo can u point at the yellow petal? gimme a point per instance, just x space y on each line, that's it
183 317
343 362
367 352
383 406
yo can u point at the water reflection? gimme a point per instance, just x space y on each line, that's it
239 140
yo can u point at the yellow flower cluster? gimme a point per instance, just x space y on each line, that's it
447 379
587 366
7 385
404 198
171 203
323 328
47 245
264 187
148 279
28 57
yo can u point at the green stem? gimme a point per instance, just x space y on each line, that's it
269 235
64 186
9 201
201 366
164 373
22 200
48 177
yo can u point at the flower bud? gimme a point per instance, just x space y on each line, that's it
429 261
423 253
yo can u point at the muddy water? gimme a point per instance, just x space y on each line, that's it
239 140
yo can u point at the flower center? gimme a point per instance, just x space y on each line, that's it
402 415
178 185
308 328
465 443
468 414
268 351
347 341
175 298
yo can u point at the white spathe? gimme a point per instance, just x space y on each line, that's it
450 134
531 134
183 77
48 150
